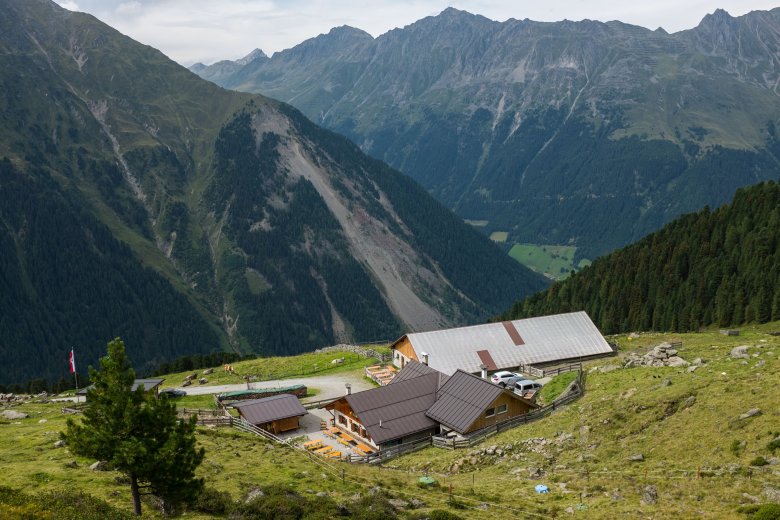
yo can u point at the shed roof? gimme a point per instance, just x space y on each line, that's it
269 409
463 399
147 384
400 407
510 344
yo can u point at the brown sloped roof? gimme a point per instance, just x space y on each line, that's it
415 369
463 399
400 407
268 409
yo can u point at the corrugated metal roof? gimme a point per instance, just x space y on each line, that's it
399 406
545 339
462 400
268 409
147 384
239 393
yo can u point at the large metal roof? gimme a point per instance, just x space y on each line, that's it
511 344
268 409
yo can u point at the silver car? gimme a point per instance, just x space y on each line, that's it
506 378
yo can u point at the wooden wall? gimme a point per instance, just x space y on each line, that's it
404 347
515 407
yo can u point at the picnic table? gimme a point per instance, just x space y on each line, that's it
365 448
323 451
334 455
313 445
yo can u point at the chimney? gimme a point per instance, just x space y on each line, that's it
483 367
424 357
349 388
380 423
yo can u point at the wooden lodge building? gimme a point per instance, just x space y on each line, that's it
506 345
275 414
421 402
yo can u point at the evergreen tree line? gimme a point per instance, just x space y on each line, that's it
717 267
66 282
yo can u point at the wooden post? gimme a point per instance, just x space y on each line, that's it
698 473
450 493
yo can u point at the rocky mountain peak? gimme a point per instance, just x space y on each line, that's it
252 56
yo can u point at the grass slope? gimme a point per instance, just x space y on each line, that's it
687 446
555 262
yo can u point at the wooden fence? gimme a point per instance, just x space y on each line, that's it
206 417
572 392
549 372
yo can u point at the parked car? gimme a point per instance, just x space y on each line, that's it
506 378
527 385
173 392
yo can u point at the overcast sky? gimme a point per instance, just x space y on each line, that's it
189 31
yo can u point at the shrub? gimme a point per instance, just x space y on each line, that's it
773 445
440 514
736 447
768 512
213 502
759 461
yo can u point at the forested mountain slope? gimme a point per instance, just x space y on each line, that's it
581 133
712 267
140 200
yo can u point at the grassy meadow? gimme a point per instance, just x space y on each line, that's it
555 262
278 367
701 458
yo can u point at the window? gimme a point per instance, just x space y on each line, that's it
490 412
342 420
501 409
355 427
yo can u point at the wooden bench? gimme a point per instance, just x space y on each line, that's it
312 445
323 451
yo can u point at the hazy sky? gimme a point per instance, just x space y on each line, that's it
189 31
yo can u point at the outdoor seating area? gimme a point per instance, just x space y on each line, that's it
381 374
336 444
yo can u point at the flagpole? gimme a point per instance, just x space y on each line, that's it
75 372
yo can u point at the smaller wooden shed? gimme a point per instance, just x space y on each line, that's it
276 414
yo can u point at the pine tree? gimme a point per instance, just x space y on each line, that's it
137 434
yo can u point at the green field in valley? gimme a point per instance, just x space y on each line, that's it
555 262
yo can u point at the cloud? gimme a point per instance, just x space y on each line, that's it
69 5
207 31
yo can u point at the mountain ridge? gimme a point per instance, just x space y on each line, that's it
541 127
258 224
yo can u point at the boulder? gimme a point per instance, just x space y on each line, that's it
203 381
692 368
772 494
637 457
14 415
186 382
100 465
208 371
650 495
59 444
398 503
753 412
676 361
740 352
71 464
253 494
416 503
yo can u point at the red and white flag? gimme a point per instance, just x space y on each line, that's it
72 363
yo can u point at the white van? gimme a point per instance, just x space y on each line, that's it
525 386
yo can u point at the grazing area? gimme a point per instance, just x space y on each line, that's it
617 450
554 262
